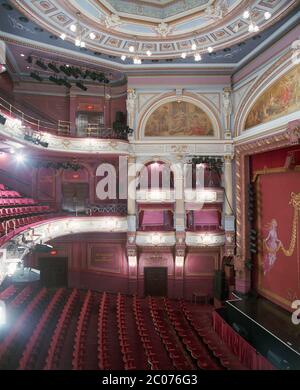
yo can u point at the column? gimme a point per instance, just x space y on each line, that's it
179 197
132 253
131 199
228 184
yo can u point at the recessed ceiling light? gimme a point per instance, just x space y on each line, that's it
149 54
22 55
183 55
73 27
246 14
63 36
123 57
267 15
92 35
210 49
131 49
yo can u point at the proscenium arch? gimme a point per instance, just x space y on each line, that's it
269 78
197 100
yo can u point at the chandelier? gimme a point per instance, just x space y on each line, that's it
134 53
78 29
249 15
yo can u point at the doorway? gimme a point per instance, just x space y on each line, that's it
54 271
156 281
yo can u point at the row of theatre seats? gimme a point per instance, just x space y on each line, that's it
54 329
17 211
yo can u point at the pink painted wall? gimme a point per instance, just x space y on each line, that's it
6 84
46 184
99 261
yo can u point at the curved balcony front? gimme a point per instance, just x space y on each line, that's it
57 137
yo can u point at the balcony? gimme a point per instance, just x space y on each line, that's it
205 238
204 195
61 128
155 196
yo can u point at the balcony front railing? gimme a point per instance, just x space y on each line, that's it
60 128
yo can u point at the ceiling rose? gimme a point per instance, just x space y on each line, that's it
164 28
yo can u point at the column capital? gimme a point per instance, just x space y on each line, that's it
228 158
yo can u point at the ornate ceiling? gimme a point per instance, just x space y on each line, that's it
165 27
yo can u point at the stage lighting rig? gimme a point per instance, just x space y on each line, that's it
2 120
41 64
36 76
53 67
81 86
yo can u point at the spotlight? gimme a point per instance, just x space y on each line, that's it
82 44
20 158
267 15
36 76
53 67
256 28
65 70
131 49
22 55
81 86
92 36
149 53
123 57
67 84
2 120
210 49
77 42
41 64
194 46
183 55
63 36
2 68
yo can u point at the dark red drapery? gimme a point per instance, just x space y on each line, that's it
240 347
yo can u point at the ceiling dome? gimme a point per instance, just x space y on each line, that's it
164 28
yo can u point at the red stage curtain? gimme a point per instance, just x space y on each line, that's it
240 347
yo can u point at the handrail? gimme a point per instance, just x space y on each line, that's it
61 127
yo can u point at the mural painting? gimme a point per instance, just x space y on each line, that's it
281 98
178 119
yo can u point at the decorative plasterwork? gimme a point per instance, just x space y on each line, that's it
155 239
15 131
204 195
205 239
114 38
155 196
58 227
